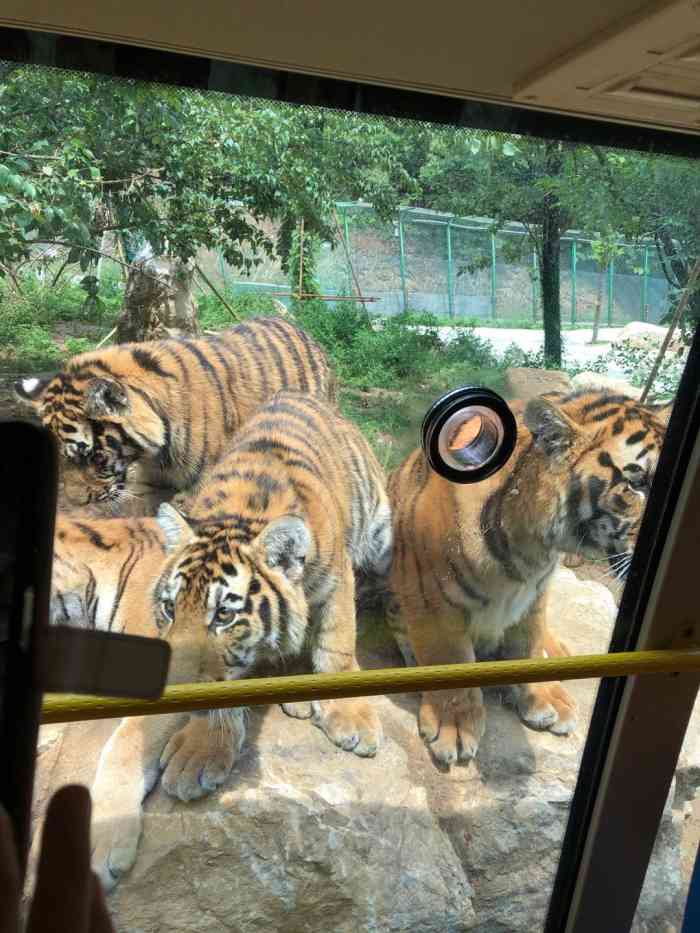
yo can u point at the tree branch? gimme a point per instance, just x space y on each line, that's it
97 252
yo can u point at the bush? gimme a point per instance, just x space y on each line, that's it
636 362
213 315
380 353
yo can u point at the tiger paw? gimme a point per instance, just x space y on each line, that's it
298 710
352 725
547 706
115 839
199 758
452 723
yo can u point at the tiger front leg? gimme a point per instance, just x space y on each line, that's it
545 705
451 722
127 771
351 724
200 757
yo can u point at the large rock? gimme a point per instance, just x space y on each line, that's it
644 336
308 838
523 383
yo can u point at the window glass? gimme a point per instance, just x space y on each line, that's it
171 260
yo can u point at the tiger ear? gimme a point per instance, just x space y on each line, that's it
552 431
105 397
176 530
285 544
30 391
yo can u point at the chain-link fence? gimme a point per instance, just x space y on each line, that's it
459 268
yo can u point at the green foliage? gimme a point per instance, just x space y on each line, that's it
213 315
28 321
636 362
390 352
178 170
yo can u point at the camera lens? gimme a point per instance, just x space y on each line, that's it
468 434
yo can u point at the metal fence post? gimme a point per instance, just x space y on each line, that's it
573 281
346 233
645 286
402 262
611 275
493 275
450 286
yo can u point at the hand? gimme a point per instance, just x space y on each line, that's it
68 897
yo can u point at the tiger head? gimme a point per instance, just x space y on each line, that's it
109 485
236 586
84 412
606 448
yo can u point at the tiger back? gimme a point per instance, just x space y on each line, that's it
102 572
173 405
472 563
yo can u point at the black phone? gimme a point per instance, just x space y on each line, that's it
34 656
28 490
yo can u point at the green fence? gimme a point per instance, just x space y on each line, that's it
458 267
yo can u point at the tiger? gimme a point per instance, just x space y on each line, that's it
171 406
102 570
85 490
261 570
472 563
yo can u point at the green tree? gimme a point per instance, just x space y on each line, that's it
656 197
530 181
182 171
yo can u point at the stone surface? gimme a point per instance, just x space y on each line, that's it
642 335
524 383
306 838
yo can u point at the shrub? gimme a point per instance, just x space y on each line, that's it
213 315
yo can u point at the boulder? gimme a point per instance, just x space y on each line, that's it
641 335
523 383
589 380
307 838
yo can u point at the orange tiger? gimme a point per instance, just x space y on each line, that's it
472 563
262 570
103 571
172 405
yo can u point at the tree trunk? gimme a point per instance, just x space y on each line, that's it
550 260
158 301
673 262
598 305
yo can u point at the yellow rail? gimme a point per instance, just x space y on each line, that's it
297 688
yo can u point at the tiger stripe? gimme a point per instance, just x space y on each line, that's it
103 570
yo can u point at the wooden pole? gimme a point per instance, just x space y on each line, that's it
236 317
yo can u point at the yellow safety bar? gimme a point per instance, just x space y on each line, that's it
297 688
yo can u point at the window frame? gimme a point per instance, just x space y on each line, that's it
596 846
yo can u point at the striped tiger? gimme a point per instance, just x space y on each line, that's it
102 572
472 564
172 405
86 490
261 570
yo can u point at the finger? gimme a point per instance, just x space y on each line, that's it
100 921
63 892
10 883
